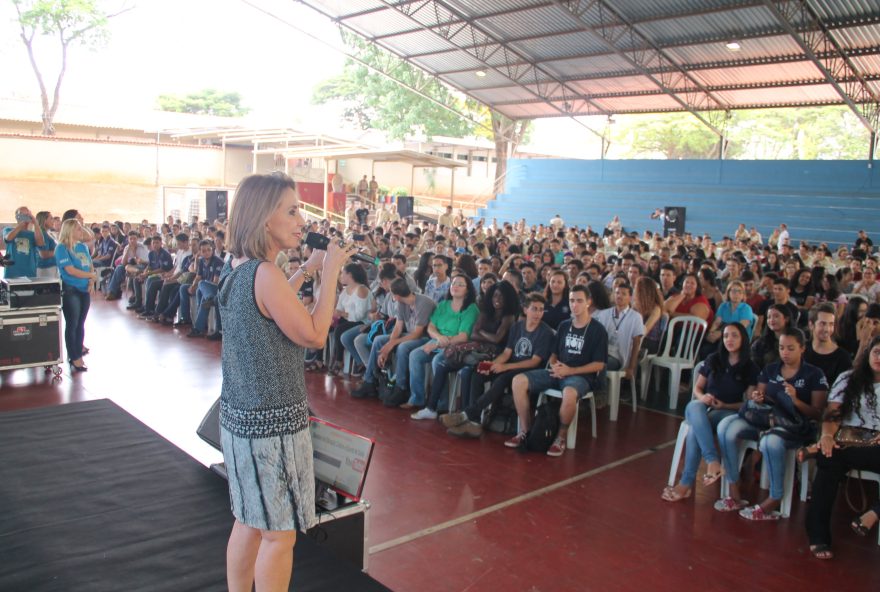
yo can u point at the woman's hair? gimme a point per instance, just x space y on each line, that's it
548 294
598 295
508 295
256 198
833 292
796 333
471 295
734 284
647 296
846 330
67 236
41 218
859 385
356 272
423 270
718 362
468 265
817 273
796 278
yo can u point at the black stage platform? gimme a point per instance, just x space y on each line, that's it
91 499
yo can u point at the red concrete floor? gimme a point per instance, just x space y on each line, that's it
452 515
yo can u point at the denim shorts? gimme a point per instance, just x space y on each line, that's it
540 380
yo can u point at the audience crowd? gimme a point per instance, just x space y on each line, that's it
510 310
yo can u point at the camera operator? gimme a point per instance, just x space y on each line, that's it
22 242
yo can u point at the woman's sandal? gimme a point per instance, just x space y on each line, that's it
671 495
728 504
822 551
712 478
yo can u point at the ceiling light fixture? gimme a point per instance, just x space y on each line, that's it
480 73
733 45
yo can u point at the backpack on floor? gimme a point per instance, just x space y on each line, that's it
502 417
544 428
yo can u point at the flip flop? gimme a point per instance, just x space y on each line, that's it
823 552
671 495
859 528
712 478
757 514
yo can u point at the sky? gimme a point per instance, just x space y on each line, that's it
183 46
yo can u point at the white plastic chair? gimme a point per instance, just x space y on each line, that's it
866 476
687 332
572 429
683 431
788 483
614 377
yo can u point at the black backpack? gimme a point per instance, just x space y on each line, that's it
544 428
502 417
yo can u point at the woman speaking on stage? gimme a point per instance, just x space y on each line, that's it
264 414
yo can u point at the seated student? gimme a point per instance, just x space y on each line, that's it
853 402
498 312
208 268
134 258
528 346
352 308
169 295
356 340
793 385
159 262
625 329
556 308
732 310
451 323
724 378
668 282
106 248
648 301
781 292
868 287
848 327
167 283
802 294
689 301
530 278
437 286
579 354
823 352
412 315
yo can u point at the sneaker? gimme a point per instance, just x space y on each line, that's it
453 420
516 441
182 323
367 389
557 448
468 429
146 316
424 413
135 306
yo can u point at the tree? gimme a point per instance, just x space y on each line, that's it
72 22
373 100
206 102
669 135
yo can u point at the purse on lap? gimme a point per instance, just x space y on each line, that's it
854 436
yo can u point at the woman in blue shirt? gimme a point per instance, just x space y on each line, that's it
77 274
46 266
733 310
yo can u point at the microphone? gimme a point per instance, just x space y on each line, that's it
320 242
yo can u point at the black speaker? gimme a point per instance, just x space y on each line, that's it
405 206
216 205
673 220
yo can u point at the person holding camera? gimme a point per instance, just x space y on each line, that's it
22 244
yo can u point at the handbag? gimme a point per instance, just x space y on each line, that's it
854 436
468 353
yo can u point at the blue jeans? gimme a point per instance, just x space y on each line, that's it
401 362
185 298
75 306
115 285
772 447
347 340
205 291
441 370
418 362
702 421
152 285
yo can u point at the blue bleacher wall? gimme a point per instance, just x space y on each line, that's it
819 200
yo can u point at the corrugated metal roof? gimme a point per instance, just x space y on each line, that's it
628 55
